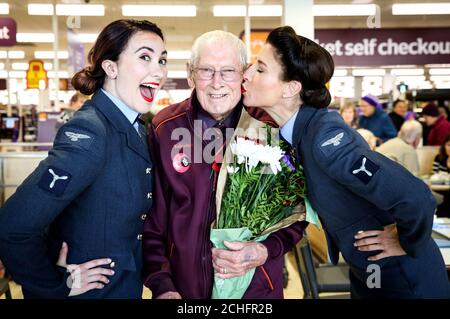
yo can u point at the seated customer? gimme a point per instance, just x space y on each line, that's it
441 161
442 165
374 119
439 126
402 149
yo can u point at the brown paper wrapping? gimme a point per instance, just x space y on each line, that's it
253 129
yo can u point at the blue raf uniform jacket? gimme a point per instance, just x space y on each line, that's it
92 191
353 188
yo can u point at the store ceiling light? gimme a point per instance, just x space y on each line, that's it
420 8
4 8
229 11
80 10
442 71
265 10
253 10
67 9
410 79
330 10
61 74
48 66
18 74
407 72
340 72
130 10
179 55
12 54
40 9
440 78
368 72
35 37
87 37
2 66
19 66
51 54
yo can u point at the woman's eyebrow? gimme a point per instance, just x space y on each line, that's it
150 49
144 47
261 62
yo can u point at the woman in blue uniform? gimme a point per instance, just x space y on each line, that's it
73 228
373 210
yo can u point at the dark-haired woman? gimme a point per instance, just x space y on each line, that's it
441 164
73 228
366 203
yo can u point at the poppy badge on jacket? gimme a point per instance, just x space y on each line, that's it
181 162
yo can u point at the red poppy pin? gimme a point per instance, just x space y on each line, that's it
181 162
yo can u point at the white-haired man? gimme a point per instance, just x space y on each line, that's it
179 260
402 149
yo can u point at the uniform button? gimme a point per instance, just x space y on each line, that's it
148 170
143 216
149 195
139 237
112 264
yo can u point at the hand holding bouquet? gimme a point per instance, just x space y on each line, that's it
263 193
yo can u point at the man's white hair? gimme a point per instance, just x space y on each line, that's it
410 130
222 37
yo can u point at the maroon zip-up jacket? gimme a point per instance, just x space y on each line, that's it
176 245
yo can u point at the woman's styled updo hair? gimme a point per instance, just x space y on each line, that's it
305 61
109 45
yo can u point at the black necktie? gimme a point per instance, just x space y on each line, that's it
287 147
142 131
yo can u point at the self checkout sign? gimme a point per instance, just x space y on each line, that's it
8 30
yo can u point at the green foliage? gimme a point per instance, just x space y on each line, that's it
259 199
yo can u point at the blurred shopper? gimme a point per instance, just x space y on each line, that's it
402 149
441 164
349 113
442 160
398 113
374 119
439 126
368 137
91 194
443 110
76 102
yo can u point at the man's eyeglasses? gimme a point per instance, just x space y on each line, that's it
228 75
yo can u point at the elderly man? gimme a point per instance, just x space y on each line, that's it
402 149
178 255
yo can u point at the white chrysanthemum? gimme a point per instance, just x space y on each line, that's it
232 170
271 155
251 153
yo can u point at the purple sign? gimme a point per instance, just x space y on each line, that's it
76 59
8 30
374 47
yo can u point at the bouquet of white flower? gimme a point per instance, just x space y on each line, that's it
264 191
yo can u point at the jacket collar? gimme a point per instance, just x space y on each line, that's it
120 123
304 116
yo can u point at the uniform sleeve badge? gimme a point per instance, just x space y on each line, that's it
364 169
55 180
333 141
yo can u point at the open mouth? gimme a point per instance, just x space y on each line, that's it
148 91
